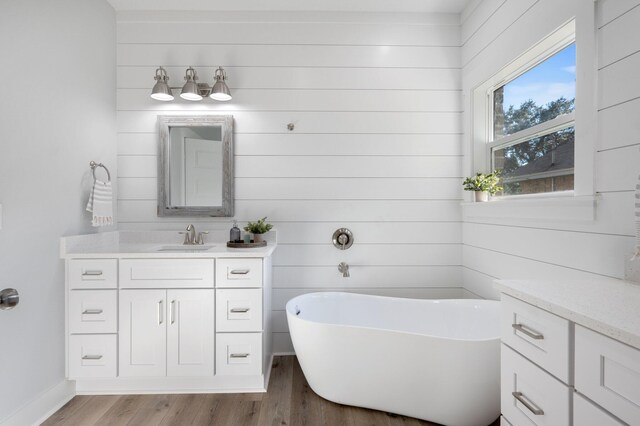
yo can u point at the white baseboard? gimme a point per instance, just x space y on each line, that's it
43 406
51 400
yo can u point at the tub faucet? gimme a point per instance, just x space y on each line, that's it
344 268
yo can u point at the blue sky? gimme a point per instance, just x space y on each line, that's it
550 80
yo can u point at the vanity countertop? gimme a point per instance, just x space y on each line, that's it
158 244
608 306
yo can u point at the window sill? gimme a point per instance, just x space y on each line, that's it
539 208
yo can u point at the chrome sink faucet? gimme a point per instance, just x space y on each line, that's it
189 235
190 238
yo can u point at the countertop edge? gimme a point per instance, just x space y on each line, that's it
239 253
148 244
606 329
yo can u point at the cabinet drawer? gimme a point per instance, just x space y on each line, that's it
238 354
587 414
239 273
529 395
239 309
608 373
166 273
92 356
93 311
539 335
504 422
93 273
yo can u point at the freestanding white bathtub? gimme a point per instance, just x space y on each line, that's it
436 360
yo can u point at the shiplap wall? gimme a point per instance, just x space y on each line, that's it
376 103
492 36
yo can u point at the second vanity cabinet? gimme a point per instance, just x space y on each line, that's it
169 324
555 371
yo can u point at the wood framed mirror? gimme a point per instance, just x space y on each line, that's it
195 165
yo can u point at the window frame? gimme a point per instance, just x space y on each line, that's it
584 117
562 122
550 47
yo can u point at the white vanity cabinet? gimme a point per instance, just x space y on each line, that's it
608 373
240 316
166 332
166 317
92 318
139 322
555 370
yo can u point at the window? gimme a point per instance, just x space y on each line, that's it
532 126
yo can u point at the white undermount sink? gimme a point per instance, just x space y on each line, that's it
195 247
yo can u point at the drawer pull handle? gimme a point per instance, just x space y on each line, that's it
239 310
239 355
530 405
240 271
91 273
92 312
94 357
521 328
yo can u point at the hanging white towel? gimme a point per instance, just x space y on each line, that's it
636 255
101 203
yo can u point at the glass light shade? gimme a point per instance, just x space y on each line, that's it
220 91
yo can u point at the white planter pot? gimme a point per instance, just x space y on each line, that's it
481 196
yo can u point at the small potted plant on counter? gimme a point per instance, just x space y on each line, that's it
483 185
258 228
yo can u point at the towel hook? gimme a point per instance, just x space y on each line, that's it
94 165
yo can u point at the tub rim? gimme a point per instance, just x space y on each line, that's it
290 312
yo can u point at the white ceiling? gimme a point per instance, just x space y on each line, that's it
424 6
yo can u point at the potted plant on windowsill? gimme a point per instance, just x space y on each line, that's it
258 228
483 185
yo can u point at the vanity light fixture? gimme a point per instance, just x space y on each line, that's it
161 90
192 90
220 91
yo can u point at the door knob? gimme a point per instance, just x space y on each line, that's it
9 298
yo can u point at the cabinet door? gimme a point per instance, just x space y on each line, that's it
190 332
143 333
531 396
587 414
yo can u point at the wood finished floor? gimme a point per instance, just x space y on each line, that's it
289 401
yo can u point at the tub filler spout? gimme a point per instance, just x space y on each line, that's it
344 268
